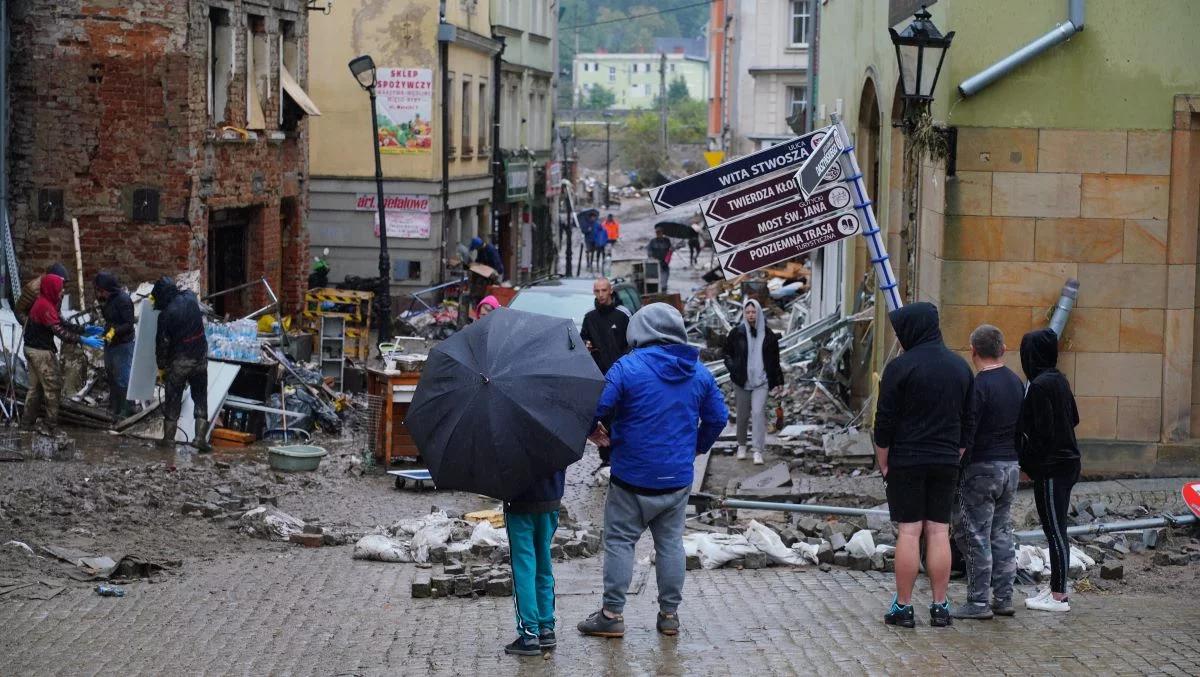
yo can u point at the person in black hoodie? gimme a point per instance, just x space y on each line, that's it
531 520
604 331
118 340
181 351
752 359
1049 454
918 433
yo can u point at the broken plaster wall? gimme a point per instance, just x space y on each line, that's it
111 97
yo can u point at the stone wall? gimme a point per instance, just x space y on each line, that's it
1029 208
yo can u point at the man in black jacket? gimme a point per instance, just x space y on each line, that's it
604 331
918 434
118 341
181 351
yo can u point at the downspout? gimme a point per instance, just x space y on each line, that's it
1062 309
446 35
1060 33
497 160
813 63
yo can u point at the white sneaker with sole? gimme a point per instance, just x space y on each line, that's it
1047 603
741 453
758 459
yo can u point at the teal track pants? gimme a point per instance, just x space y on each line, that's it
529 539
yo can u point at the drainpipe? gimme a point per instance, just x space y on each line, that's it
446 35
1060 33
1109 527
497 160
1062 310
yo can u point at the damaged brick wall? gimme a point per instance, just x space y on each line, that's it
110 98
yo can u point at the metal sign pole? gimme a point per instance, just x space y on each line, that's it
875 244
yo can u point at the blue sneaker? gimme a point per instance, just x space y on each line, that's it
899 614
939 614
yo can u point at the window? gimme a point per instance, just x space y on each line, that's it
485 122
801 15
672 68
612 74
635 68
648 68
450 105
797 102
145 205
258 72
466 117
595 67
220 63
50 205
531 131
289 59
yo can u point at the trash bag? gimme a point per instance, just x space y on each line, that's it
324 413
294 403
861 544
768 542
1032 560
380 548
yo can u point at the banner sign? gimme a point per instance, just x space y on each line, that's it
517 183
407 216
789 244
788 215
405 100
736 172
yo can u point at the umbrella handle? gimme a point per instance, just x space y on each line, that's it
570 339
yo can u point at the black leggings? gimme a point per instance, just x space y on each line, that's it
1052 494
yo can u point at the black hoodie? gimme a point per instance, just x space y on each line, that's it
605 327
923 395
1046 427
180 324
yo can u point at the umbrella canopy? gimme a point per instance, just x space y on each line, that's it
676 230
505 402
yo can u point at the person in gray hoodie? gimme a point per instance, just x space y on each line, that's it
752 358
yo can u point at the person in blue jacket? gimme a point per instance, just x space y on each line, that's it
652 400
488 255
531 520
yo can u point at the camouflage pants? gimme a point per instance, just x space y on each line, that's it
983 529
45 386
184 372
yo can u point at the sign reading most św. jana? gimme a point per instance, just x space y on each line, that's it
405 100
789 244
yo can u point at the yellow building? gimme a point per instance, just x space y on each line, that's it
425 228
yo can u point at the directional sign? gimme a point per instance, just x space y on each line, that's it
788 244
781 217
736 172
774 190
813 170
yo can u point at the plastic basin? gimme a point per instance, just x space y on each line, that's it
293 457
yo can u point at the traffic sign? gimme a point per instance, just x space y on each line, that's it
766 193
813 170
714 157
736 172
1191 496
781 217
789 244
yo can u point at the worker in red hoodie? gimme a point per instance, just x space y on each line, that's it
41 354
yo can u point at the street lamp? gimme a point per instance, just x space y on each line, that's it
363 70
920 50
564 135
607 156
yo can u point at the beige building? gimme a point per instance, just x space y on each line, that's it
1075 165
424 229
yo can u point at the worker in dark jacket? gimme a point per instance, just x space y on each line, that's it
918 436
31 291
488 255
531 520
752 359
118 340
181 351
604 333
1049 454
41 354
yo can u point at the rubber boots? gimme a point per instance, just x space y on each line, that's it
168 436
201 440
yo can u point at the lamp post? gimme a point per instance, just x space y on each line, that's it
564 135
920 50
363 69
607 156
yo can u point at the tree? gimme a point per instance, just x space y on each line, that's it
640 145
677 92
599 98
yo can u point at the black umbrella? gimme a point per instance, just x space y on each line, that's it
505 402
681 231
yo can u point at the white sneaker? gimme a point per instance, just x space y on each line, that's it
758 459
741 453
1047 603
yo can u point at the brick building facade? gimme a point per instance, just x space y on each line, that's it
173 130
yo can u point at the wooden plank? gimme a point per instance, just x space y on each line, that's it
699 470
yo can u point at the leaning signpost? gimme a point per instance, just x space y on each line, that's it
785 201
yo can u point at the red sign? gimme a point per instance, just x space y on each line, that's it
553 178
1191 496
788 244
781 217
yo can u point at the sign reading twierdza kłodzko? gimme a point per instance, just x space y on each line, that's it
736 172
781 217
789 244
766 193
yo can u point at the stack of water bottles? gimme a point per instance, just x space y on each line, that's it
236 341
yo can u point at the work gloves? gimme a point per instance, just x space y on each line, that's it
93 342
93 330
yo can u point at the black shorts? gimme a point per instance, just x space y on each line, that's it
921 493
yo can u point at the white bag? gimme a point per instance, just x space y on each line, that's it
381 549
769 543
861 544
716 550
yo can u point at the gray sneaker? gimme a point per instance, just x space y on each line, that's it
1003 607
969 610
668 623
599 625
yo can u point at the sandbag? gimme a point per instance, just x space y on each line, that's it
716 550
861 544
270 523
768 542
380 548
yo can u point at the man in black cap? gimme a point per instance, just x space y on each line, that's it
181 351
118 341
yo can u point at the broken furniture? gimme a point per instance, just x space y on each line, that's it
332 349
396 389
646 276
354 307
